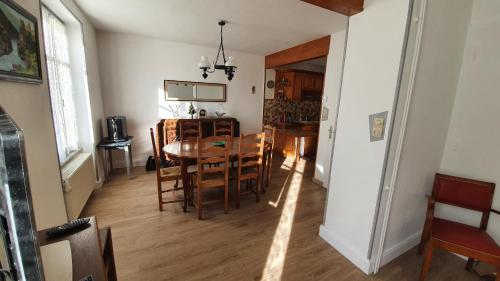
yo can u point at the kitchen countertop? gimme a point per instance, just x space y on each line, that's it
294 125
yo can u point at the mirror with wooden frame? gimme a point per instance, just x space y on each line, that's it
194 91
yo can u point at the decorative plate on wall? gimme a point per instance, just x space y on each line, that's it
270 84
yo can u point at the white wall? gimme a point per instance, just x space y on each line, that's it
333 77
373 57
132 72
472 147
436 79
94 83
29 106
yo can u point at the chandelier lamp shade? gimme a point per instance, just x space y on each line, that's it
228 65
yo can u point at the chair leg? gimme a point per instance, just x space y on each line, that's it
226 199
200 204
470 263
160 204
262 177
257 186
268 168
238 194
427 261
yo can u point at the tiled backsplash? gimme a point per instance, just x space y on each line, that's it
275 108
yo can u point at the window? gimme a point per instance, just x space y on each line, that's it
60 84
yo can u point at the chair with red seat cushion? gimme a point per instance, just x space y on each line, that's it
455 237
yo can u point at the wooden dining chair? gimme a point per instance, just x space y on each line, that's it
250 153
269 134
165 175
190 129
472 242
224 128
212 177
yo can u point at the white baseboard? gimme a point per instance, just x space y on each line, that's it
400 248
352 254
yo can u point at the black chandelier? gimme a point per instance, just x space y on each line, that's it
228 64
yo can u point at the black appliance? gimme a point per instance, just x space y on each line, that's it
117 128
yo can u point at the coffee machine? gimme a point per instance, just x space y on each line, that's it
117 128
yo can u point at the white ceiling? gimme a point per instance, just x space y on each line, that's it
255 26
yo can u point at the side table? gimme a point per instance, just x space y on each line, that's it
125 145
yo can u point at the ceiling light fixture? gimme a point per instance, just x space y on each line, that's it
228 64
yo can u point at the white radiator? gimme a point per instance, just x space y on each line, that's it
79 182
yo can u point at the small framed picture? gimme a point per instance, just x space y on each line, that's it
19 44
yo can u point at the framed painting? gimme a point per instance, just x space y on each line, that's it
19 44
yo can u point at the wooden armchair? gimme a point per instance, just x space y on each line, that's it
251 149
165 174
190 129
209 177
469 241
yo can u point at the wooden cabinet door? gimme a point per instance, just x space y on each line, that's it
307 81
318 82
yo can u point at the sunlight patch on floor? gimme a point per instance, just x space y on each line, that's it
275 262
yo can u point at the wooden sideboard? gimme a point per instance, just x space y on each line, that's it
168 130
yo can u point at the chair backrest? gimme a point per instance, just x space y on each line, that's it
155 151
208 153
269 133
223 128
190 129
251 149
461 192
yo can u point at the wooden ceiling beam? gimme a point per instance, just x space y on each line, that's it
345 7
310 50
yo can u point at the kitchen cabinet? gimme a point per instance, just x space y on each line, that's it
291 88
299 84
284 140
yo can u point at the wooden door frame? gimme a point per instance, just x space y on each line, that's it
307 51
314 49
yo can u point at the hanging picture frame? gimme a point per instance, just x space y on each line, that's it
19 44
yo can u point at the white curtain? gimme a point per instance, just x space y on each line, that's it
61 88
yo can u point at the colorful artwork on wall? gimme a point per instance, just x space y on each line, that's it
19 44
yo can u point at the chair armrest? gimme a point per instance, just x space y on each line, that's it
495 211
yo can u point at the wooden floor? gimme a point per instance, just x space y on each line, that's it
276 239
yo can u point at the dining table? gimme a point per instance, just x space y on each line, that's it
186 152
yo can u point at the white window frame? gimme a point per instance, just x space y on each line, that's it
61 86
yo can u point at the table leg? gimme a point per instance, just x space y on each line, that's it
297 149
110 156
127 160
185 183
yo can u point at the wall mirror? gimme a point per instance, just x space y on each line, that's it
194 91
